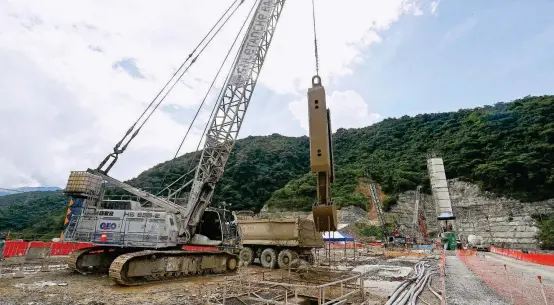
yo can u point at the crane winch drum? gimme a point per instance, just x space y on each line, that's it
321 157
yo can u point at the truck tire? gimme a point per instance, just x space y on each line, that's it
246 255
285 258
268 258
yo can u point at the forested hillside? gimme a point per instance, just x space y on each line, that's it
36 214
507 149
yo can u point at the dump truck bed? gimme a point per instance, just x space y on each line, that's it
293 232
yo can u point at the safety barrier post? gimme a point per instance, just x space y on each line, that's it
542 290
45 267
508 281
2 256
443 276
19 273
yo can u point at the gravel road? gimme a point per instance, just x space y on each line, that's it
518 280
463 287
529 271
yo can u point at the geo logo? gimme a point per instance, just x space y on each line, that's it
108 226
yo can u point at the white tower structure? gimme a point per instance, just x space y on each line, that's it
439 187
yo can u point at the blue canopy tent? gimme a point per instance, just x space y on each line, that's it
336 237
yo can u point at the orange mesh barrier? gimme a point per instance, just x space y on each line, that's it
508 280
537 258
19 248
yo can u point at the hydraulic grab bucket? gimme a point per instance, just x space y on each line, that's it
321 157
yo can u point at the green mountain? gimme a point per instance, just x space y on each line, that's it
36 215
507 149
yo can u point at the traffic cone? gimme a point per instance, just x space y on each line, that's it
104 237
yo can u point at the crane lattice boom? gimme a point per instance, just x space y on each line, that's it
226 123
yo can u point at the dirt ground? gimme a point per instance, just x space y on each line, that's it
61 286
65 287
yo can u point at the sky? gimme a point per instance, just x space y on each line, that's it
76 74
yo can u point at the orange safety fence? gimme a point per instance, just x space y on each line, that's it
348 245
537 258
469 252
508 280
19 248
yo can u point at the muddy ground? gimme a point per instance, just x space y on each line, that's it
61 286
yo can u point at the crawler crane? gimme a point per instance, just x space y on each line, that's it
141 240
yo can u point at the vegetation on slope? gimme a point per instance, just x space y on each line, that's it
256 168
507 149
38 215
545 223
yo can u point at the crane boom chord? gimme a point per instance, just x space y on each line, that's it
226 123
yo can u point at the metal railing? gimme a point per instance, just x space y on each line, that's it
286 287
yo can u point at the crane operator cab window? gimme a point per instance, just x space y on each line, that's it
210 226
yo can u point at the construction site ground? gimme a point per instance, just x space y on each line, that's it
514 281
60 286
480 278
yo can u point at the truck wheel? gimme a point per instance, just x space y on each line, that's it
268 258
285 258
246 255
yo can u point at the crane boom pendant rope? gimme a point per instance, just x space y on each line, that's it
132 132
193 159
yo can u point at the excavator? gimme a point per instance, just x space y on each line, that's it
140 239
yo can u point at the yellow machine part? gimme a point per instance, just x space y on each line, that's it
325 217
321 157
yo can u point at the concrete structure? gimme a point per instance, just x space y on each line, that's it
439 187
501 221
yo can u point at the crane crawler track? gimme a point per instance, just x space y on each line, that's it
150 266
93 259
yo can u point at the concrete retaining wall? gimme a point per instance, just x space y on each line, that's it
503 222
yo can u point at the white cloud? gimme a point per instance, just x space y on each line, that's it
434 6
63 105
348 110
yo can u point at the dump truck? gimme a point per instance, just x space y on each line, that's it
278 242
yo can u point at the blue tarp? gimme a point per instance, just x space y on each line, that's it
336 236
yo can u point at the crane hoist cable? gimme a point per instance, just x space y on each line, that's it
315 41
200 107
133 131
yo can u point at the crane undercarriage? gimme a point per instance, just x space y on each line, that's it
128 267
